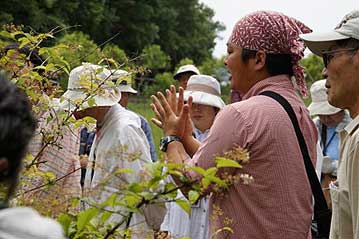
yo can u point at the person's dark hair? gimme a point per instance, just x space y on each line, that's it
17 126
348 43
276 64
190 73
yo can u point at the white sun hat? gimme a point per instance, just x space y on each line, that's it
123 81
205 90
320 104
84 79
347 28
186 68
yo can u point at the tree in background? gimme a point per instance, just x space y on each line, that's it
313 68
182 30
155 59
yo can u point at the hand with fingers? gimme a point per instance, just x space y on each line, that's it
172 115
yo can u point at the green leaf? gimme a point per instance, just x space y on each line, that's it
65 221
85 217
124 170
91 102
217 180
6 34
106 215
110 201
227 163
198 170
24 41
193 196
131 200
185 205
135 187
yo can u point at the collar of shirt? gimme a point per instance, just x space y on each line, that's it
346 120
282 81
200 135
352 126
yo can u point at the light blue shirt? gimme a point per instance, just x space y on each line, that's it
331 146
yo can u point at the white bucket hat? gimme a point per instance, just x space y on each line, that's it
320 104
347 28
81 79
123 81
186 68
205 90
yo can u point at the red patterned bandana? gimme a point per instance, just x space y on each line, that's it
273 32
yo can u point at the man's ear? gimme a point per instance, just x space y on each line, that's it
260 60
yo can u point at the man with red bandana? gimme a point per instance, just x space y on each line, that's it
263 55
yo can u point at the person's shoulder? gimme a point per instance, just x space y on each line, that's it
258 105
25 222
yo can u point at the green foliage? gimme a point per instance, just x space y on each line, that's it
313 65
162 82
182 30
186 30
78 47
155 59
184 61
113 51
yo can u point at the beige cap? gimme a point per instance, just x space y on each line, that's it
186 68
347 28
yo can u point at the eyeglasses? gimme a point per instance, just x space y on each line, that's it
329 55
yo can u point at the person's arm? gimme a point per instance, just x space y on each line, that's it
190 145
148 132
353 179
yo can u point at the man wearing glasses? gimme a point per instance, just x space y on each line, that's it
339 50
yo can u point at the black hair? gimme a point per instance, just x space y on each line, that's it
190 73
276 64
17 126
348 43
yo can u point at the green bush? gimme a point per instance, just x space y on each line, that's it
155 59
162 82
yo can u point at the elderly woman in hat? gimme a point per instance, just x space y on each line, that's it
206 94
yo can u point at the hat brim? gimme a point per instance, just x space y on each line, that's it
320 42
70 99
127 88
322 108
182 72
204 98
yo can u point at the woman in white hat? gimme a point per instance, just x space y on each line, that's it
206 93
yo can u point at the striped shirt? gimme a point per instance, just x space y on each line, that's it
278 203
61 160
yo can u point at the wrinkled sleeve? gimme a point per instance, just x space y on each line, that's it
136 153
